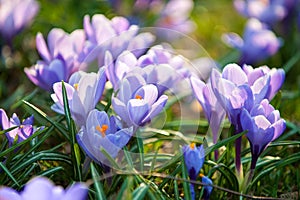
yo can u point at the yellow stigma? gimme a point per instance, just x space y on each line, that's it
138 96
192 145
102 129
76 86
201 175
21 126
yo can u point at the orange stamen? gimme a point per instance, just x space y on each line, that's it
138 96
201 175
76 86
192 145
102 129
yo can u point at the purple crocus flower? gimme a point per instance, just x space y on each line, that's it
115 35
175 15
100 131
116 71
41 188
84 91
137 102
159 54
15 15
258 42
194 159
264 125
277 77
207 188
63 56
213 110
235 94
267 12
22 130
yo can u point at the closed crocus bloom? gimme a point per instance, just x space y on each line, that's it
15 15
62 55
99 132
22 130
258 42
84 91
194 158
213 110
207 187
266 11
137 102
115 35
277 77
41 188
264 125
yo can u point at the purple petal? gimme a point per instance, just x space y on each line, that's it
138 110
233 40
279 127
78 191
277 79
156 108
148 92
5 124
9 194
235 74
42 48
37 189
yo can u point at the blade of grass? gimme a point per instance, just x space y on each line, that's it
100 195
9 174
72 132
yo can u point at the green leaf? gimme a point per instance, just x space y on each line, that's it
140 192
9 174
97 184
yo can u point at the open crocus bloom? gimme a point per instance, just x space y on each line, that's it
277 77
21 132
264 125
138 102
62 56
40 188
101 132
258 42
115 35
84 91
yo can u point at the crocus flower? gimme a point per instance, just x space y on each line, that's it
15 15
116 71
138 102
277 77
213 110
159 54
63 56
264 125
99 132
41 188
265 11
22 130
194 159
175 15
207 188
115 35
258 42
235 94
84 91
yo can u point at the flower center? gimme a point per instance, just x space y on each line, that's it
192 145
138 97
102 129
75 86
